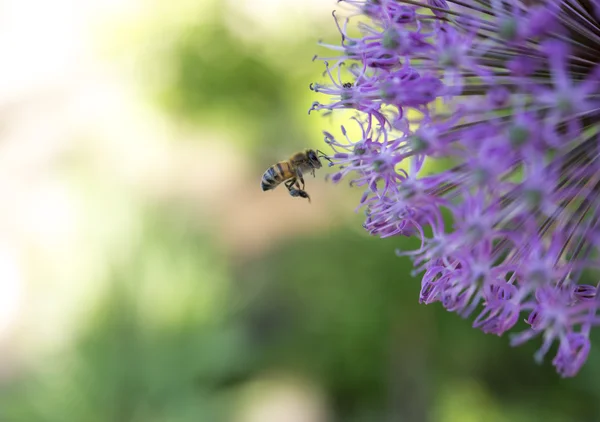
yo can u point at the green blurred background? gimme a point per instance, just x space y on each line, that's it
145 277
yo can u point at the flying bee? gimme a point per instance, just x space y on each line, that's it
290 172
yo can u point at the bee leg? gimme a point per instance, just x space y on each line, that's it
290 183
290 187
304 194
296 192
301 181
299 176
300 193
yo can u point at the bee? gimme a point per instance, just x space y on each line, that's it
290 172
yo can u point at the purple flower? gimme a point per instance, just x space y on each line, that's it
508 95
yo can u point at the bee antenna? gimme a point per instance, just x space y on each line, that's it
324 156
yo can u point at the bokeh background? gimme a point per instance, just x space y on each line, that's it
145 277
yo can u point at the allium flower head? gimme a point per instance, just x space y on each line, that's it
507 91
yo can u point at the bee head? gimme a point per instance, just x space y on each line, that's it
313 159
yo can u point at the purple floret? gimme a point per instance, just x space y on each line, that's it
508 95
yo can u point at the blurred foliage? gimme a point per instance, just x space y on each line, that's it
353 321
337 307
216 78
227 81
155 348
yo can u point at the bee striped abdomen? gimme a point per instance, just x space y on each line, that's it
275 175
